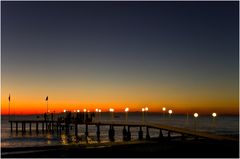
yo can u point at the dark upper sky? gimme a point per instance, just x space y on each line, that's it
158 47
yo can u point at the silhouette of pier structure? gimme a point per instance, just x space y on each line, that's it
63 125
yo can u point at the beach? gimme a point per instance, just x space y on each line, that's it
134 149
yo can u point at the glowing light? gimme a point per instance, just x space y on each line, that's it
111 110
143 109
214 114
78 110
64 110
74 111
146 108
97 110
84 110
164 109
170 111
126 109
195 115
88 111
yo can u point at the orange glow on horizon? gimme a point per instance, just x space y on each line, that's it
39 108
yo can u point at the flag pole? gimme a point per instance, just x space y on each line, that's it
47 106
9 107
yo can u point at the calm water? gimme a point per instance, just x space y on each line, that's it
223 125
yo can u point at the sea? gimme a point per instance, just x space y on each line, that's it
227 125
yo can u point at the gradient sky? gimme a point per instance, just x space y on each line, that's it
182 55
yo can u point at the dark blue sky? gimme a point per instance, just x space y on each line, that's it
139 46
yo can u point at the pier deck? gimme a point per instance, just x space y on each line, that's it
183 131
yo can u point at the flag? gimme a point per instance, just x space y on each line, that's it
9 98
47 98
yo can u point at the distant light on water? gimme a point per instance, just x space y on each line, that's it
164 109
126 109
170 111
143 109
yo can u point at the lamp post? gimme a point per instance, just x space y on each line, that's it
111 111
146 110
9 98
214 115
163 109
170 113
97 113
64 113
99 110
126 110
84 114
195 120
143 109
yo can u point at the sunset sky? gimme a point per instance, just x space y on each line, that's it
181 55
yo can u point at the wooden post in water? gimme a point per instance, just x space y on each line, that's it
16 127
86 132
76 129
11 126
147 134
183 137
22 128
37 127
124 133
140 134
30 127
98 132
111 133
43 127
160 134
46 125
129 134
169 135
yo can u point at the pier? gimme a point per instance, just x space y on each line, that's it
64 126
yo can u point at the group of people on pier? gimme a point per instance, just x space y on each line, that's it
69 117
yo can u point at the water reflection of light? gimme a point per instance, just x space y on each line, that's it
65 139
49 139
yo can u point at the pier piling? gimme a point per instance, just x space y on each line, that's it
160 134
37 127
147 134
140 133
98 133
30 127
11 126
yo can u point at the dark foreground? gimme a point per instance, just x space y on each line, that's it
150 149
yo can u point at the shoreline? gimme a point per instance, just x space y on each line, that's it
139 149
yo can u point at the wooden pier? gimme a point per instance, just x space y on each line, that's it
53 126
